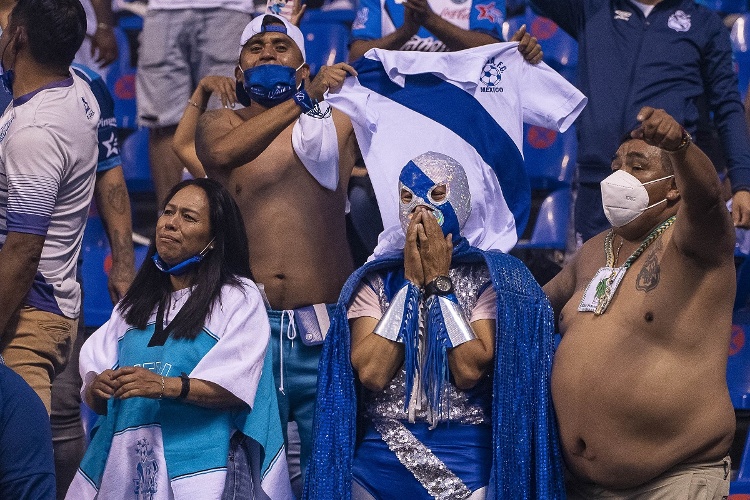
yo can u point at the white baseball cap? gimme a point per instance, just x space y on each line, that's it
259 25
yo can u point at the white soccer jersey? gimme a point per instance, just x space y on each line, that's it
48 155
470 105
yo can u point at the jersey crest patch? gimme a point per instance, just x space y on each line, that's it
363 15
679 21
491 75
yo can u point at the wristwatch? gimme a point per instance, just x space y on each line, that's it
442 285
685 142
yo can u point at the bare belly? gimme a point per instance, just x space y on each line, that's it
630 409
301 270
296 229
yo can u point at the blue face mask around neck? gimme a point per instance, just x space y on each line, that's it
270 84
181 267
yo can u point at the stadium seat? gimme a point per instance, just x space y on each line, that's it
550 228
121 82
738 381
741 52
135 161
725 6
550 157
97 260
512 24
560 49
326 36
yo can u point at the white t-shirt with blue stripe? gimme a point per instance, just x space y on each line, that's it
48 156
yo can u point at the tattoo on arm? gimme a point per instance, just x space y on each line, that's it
121 244
648 277
117 198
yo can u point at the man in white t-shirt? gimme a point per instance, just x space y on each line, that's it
182 41
48 153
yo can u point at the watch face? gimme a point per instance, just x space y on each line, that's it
442 283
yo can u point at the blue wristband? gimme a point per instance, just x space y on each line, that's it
304 101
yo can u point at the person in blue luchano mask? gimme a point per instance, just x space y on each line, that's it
434 377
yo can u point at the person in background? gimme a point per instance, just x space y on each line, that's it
27 468
48 161
431 26
99 49
181 43
184 136
664 54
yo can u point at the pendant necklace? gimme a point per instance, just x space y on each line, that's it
605 289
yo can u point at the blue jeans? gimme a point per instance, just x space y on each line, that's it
239 482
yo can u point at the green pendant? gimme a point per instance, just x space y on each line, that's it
601 289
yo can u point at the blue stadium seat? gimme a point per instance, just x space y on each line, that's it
97 260
551 226
725 6
121 83
738 364
741 51
550 157
512 24
136 166
738 381
326 36
560 49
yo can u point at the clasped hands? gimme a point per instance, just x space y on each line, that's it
127 382
427 252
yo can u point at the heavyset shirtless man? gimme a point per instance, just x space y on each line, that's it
639 379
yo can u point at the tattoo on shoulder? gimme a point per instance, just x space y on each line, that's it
648 277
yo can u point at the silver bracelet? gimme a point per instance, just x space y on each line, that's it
456 324
195 104
389 326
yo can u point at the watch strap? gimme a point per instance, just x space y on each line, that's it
185 385
431 288
686 140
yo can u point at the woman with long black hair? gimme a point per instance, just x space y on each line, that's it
179 366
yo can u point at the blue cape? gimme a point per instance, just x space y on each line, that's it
526 456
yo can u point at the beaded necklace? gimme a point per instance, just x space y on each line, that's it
604 290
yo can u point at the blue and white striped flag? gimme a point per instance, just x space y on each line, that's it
470 105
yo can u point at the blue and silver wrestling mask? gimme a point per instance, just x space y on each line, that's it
423 174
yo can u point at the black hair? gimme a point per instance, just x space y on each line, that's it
55 29
224 264
272 20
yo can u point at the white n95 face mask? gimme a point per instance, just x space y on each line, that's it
625 198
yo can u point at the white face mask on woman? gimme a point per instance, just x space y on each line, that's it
625 198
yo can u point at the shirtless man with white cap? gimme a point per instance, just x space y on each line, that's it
287 161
